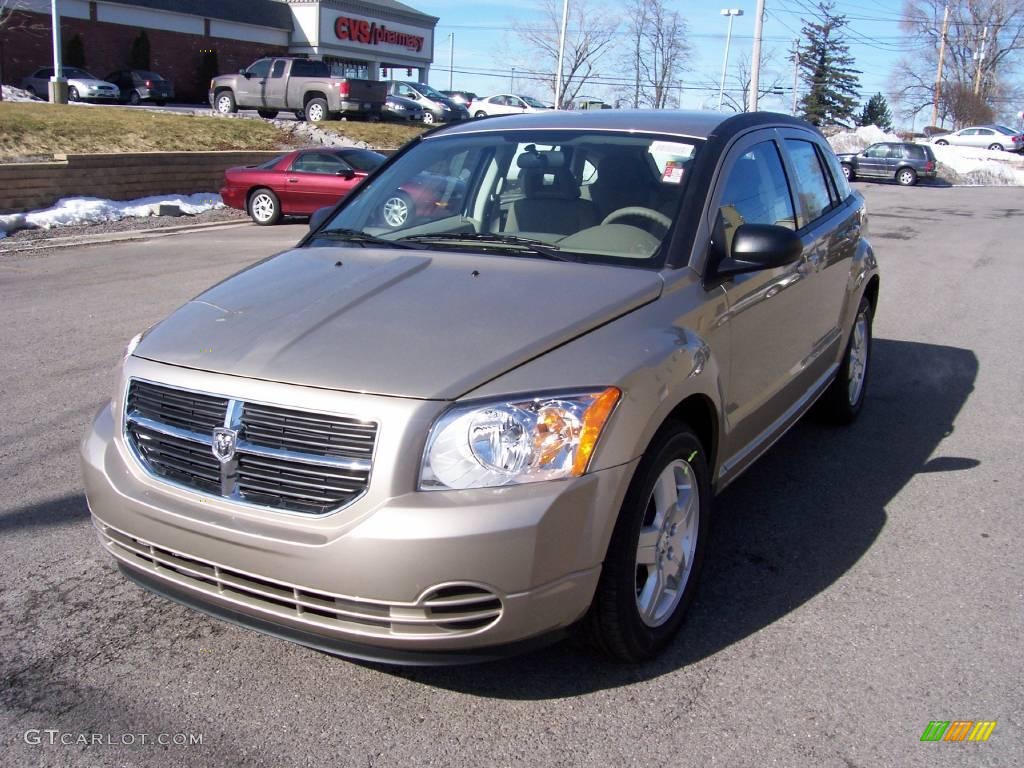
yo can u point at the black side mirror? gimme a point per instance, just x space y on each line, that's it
347 173
760 246
244 73
319 216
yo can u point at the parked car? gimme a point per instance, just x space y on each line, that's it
449 439
905 162
82 86
401 108
303 86
139 85
437 108
506 104
301 181
996 137
464 98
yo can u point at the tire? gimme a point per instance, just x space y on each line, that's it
843 400
160 103
134 99
73 94
848 172
631 618
906 177
31 91
264 207
942 143
428 118
224 102
316 110
397 211
996 146
480 113
267 114
300 115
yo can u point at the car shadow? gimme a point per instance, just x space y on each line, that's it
783 533
63 510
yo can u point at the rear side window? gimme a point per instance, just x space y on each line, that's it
278 70
838 177
310 68
912 152
755 192
812 188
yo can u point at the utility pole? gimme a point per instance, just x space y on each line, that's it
561 54
451 57
981 62
938 74
512 81
796 69
755 64
732 13
58 86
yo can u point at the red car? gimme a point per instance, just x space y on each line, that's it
300 182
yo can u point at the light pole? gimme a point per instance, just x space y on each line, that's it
731 13
755 58
451 58
512 81
561 54
58 85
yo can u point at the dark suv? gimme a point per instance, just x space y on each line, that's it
902 161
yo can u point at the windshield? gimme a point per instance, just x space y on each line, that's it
533 102
1004 130
363 159
429 92
81 74
592 196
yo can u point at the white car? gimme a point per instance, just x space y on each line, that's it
506 104
997 137
81 85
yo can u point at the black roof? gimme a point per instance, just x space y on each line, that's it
261 13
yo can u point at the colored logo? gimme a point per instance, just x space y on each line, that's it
958 730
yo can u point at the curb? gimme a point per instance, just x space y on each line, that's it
113 237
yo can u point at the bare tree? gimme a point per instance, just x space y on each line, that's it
12 22
667 52
591 32
994 28
735 97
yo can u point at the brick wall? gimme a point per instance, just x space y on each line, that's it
30 186
25 45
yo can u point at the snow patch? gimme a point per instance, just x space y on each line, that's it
93 210
968 166
17 94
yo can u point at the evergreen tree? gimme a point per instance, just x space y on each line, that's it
138 58
827 70
74 52
876 112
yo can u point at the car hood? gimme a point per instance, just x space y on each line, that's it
89 81
421 324
846 154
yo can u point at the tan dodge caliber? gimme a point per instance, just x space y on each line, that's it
490 396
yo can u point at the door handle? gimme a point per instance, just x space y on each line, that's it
293 181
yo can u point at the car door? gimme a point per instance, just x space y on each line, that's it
985 137
275 90
872 161
314 180
250 88
771 312
965 138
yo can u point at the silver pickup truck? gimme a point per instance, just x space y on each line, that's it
303 86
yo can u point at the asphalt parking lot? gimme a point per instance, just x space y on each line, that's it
859 582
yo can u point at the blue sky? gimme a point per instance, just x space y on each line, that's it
482 31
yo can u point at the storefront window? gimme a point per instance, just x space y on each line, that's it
348 68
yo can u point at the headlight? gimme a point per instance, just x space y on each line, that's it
133 344
522 440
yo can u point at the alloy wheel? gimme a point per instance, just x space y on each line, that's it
858 359
315 113
262 207
667 543
224 104
396 211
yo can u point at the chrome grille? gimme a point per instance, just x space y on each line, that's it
446 610
279 458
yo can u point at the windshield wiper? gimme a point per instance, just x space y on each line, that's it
541 248
358 236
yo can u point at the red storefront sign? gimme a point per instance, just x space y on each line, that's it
371 33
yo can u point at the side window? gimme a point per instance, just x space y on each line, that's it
318 162
260 69
755 192
985 132
838 177
877 151
278 70
810 184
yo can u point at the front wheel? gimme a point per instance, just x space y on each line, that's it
134 99
848 172
654 559
942 143
844 398
996 146
906 177
31 91
264 207
73 94
225 103
480 113
428 118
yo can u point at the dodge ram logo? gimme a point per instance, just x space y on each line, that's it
224 441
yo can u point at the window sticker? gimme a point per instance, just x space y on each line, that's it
673 172
675 148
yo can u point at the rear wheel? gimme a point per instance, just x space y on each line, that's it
160 103
225 103
134 99
942 143
268 114
264 207
848 172
31 91
996 146
906 176
316 110
844 398
656 552
480 113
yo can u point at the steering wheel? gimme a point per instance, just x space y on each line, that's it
638 210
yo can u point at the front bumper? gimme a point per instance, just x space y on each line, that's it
371 581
